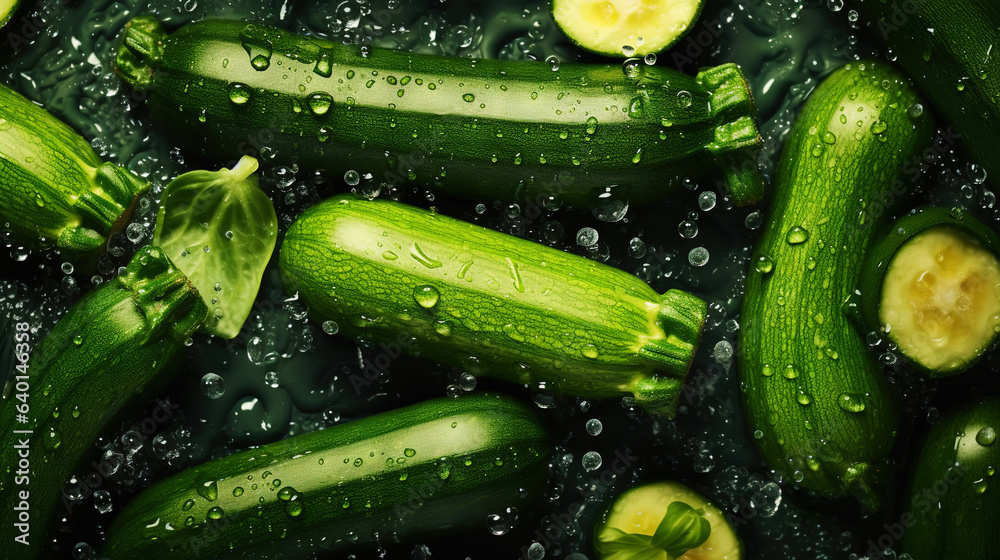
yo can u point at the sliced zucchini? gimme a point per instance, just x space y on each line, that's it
642 512
625 27
938 283
7 9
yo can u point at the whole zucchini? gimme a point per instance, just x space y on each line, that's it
480 129
117 346
932 285
491 303
820 408
54 190
948 48
953 502
435 467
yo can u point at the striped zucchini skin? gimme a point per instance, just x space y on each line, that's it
820 409
436 467
494 304
116 347
54 190
480 129
948 48
953 502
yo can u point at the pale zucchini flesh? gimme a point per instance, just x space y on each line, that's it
625 27
640 510
940 299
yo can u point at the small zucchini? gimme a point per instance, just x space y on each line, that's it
932 285
54 190
626 27
644 522
953 501
493 304
948 48
440 466
117 346
820 409
479 129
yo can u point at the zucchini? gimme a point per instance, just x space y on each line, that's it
625 27
118 345
54 190
819 407
490 303
953 502
479 129
644 510
435 467
7 9
947 48
932 285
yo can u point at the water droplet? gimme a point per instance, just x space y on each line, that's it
609 204
986 436
698 256
237 492
687 229
215 513
797 235
213 385
767 370
444 469
790 372
587 237
758 434
418 255
591 461
764 264
829 138
409 452
706 200
684 99
271 379
330 327
468 97
320 102
209 490
878 127
352 178
426 296
594 426
102 501
188 504
591 125
850 403
590 351
803 398
754 220
239 93
636 109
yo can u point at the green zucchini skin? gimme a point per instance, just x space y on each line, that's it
435 467
117 346
804 367
479 129
948 49
953 502
54 190
494 304
865 306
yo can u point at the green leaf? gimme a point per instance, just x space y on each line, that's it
681 530
219 228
